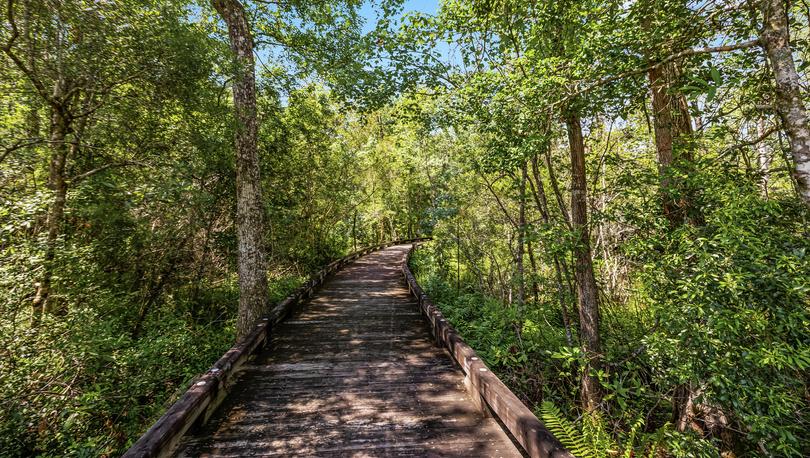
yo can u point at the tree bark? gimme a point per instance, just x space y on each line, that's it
587 293
249 208
763 158
521 241
671 123
775 40
662 117
60 126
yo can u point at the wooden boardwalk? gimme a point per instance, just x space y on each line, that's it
355 373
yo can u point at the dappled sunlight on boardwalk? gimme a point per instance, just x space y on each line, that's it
356 373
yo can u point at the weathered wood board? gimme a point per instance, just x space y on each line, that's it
354 373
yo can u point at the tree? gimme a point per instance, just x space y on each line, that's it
672 123
587 292
249 205
73 59
775 40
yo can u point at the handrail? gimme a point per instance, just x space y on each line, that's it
197 404
487 390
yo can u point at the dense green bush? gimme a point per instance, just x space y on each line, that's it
83 386
719 311
81 383
732 299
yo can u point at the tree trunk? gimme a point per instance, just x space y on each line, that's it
533 279
458 257
776 43
542 205
34 100
763 159
249 207
662 117
57 183
671 122
354 230
587 293
521 241
552 178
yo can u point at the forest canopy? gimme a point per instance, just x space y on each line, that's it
618 195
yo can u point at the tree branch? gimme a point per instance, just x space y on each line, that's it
29 73
753 142
498 200
92 172
20 144
664 61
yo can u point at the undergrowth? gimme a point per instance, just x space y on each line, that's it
83 385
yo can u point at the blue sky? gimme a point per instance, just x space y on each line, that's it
424 6
409 6
369 12
268 54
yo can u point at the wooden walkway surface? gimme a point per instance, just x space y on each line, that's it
355 373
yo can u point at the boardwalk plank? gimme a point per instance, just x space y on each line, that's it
354 373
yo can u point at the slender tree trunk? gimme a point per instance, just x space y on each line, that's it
587 293
249 207
533 263
552 176
539 192
521 241
458 256
34 100
354 230
43 301
542 204
776 43
763 159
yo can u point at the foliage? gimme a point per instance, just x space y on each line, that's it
450 124
703 318
145 259
722 306
733 295
591 442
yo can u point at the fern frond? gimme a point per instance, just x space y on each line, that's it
596 435
565 431
630 443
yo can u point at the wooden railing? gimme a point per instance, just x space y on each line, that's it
197 404
488 392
